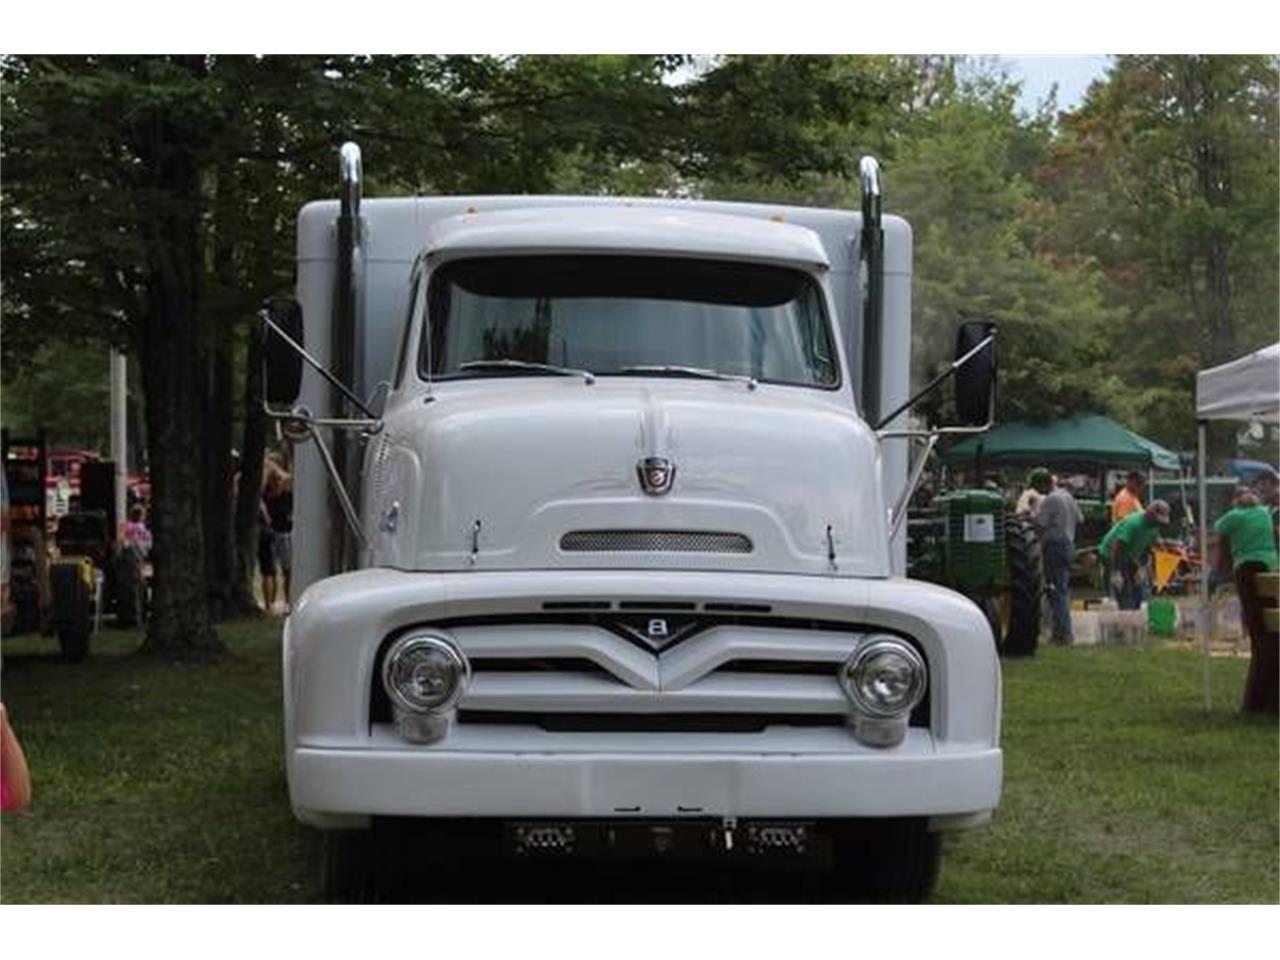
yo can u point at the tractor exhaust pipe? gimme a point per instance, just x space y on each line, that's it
872 254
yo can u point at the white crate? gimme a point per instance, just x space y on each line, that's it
1122 627
1084 628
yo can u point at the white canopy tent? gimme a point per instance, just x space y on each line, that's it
1244 389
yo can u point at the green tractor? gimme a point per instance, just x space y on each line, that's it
967 540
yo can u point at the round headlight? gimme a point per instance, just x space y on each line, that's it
885 677
424 673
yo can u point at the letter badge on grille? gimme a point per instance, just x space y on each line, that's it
656 633
657 474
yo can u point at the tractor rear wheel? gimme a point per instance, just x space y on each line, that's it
1020 633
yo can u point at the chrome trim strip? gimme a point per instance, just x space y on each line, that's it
689 662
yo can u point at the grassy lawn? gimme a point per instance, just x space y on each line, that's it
162 783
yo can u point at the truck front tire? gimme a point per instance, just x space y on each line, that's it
348 866
891 860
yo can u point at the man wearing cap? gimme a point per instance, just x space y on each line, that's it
1056 518
1039 482
1124 550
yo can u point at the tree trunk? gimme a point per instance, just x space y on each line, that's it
249 490
219 531
173 376
254 440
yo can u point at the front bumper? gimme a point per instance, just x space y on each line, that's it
910 780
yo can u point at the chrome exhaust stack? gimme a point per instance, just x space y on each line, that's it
872 256
346 345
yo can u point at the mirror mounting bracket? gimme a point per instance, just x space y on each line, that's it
930 440
299 426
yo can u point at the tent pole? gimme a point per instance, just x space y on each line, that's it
1205 617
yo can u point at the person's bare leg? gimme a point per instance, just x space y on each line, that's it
13 766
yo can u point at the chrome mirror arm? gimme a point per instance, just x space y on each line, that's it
900 508
930 438
315 364
353 521
937 381
934 432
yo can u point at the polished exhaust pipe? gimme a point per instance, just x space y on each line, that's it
872 255
346 344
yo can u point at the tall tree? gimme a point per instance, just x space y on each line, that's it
1167 175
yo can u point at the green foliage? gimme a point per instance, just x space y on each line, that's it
64 388
965 184
1167 177
764 119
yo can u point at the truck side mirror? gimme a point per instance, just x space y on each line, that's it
976 378
282 364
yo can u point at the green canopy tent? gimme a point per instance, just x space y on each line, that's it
1086 439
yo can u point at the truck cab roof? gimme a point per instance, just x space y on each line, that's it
625 229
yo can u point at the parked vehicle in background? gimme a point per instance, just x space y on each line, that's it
66 464
614 565
62 582
28 526
970 541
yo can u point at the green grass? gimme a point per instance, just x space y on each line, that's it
158 782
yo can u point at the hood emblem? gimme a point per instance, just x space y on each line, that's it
657 474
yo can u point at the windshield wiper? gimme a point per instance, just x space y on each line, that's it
700 372
506 363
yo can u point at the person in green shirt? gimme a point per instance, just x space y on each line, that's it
1246 530
1124 550
1247 540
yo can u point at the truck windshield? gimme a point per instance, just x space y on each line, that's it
610 315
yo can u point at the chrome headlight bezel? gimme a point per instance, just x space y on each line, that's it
861 659
435 642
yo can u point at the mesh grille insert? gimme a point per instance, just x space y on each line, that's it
653 541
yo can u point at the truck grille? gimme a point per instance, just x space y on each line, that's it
654 541
567 673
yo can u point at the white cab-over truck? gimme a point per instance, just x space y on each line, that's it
598 542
